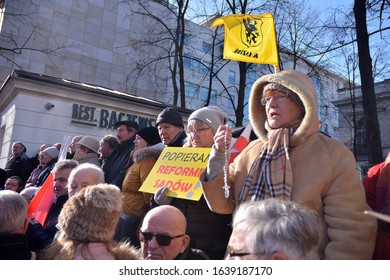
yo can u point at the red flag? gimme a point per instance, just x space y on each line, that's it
40 205
240 143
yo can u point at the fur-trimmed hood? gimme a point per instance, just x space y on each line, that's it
300 84
152 151
123 251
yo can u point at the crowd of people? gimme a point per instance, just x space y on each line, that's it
292 193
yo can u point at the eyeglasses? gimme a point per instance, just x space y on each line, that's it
231 254
162 239
199 131
278 97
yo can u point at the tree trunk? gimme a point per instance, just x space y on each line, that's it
373 138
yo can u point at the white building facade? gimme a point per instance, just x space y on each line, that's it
102 44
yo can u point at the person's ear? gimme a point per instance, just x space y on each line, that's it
185 241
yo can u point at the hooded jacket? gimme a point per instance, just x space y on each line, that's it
324 174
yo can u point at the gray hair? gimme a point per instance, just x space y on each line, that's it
65 164
273 225
96 170
111 141
13 209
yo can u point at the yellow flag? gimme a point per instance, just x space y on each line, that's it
250 38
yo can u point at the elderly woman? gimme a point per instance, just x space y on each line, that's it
208 231
147 149
291 160
87 223
87 151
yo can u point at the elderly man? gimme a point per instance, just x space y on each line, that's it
171 128
72 146
274 229
39 235
126 131
18 163
84 175
163 236
108 147
13 212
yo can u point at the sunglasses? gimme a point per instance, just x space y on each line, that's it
162 239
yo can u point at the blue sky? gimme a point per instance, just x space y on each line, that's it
324 4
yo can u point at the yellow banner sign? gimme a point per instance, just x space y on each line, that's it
250 38
179 170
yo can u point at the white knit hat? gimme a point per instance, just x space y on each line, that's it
52 152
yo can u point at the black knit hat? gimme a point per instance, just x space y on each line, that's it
150 135
170 115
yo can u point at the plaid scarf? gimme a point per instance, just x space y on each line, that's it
271 173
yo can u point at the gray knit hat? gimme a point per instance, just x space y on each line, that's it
51 152
90 143
92 214
211 115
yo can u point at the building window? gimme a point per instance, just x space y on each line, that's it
361 147
186 42
204 93
191 90
206 48
232 77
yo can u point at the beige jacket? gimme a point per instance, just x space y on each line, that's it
324 175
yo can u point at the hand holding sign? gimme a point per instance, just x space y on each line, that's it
178 170
161 197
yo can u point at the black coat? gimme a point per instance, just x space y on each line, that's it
15 247
116 171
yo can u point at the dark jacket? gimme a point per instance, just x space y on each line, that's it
40 237
107 164
19 166
45 172
14 247
192 254
209 231
179 140
117 170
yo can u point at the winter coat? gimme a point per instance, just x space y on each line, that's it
89 158
135 202
377 194
40 237
179 140
45 173
14 246
117 170
324 175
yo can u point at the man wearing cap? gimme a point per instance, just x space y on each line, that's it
126 131
171 128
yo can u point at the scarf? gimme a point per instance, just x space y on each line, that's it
270 175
